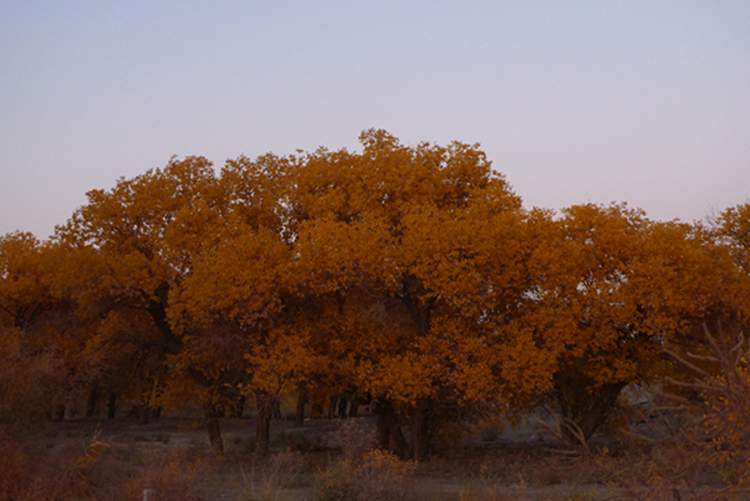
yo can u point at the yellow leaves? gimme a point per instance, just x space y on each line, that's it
285 359
24 279
625 281
402 379
425 234
90 456
332 255
240 280
731 234
414 270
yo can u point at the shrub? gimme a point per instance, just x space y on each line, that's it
282 474
364 473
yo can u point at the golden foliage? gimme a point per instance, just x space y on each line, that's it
411 274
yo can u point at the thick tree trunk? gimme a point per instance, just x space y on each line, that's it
586 413
383 433
333 403
299 415
58 413
341 410
144 414
112 405
92 400
214 429
354 408
316 406
389 435
238 408
275 407
263 424
421 430
145 411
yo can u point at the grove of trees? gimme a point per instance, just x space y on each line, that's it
412 277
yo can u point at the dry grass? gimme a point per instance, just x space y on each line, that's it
363 473
76 464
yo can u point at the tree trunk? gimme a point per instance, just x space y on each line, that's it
58 413
299 415
238 408
92 400
214 429
341 411
354 408
263 424
389 435
587 412
317 403
421 430
112 405
603 405
144 414
333 403
275 407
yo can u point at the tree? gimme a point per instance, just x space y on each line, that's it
419 243
625 286
136 247
24 287
227 307
44 352
732 230
27 364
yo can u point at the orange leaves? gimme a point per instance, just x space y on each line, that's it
624 286
24 279
402 379
428 237
240 280
334 255
286 359
413 271
732 232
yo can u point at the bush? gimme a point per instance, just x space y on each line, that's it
284 469
364 473
294 441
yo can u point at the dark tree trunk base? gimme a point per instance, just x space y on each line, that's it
214 431
112 405
265 404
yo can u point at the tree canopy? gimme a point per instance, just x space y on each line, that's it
411 276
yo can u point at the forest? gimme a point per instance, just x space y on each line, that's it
410 279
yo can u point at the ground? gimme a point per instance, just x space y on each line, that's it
173 455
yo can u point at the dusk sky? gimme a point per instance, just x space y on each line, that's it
644 102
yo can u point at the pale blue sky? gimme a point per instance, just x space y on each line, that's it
646 102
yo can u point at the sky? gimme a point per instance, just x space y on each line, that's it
644 102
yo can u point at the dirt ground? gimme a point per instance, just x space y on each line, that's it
492 465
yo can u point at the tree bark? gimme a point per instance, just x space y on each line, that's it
92 400
316 405
144 413
389 435
421 430
263 422
112 405
586 410
354 408
341 410
602 406
214 429
299 415
58 413
238 408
